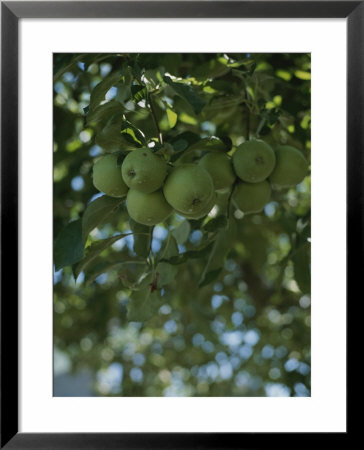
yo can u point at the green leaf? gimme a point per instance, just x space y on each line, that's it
220 85
210 277
301 263
102 266
226 102
166 273
146 280
94 251
188 93
96 212
123 93
209 69
302 75
129 140
99 92
152 79
203 250
184 140
180 145
136 69
138 135
68 246
143 305
303 235
169 249
135 277
182 232
110 139
172 118
243 67
224 243
139 93
252 68
101 115
209 260
181 142
212 143
142 242
98 269
172 249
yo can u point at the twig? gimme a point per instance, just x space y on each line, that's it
160 137
151 256
212 253
247 131
230 198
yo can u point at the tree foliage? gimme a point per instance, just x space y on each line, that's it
218 306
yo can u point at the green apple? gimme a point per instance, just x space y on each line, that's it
147 209
291 167
219 166
144 171
107 177
254 161
252 197
202 213
188 188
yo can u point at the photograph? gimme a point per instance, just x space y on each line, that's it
181 224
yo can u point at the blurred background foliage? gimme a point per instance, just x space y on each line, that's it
247 333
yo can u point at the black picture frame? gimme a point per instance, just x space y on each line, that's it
11 12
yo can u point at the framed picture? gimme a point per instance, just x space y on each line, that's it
157 205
